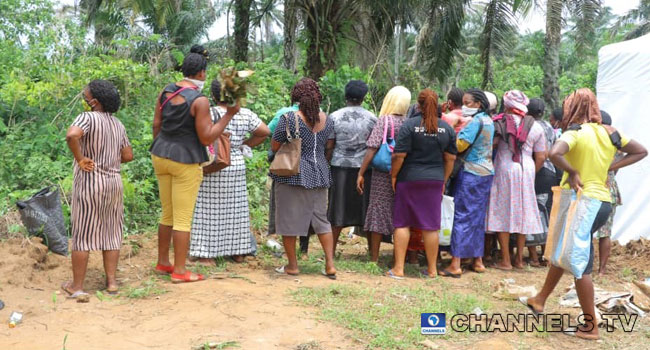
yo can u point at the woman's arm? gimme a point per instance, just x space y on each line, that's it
126 154
635 152
449 160
370 153
397 160
205 129
557 157
72 138
329 149
258 136
157 118
539 158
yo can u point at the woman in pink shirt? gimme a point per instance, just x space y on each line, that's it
452 110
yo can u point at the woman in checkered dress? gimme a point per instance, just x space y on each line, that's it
221 224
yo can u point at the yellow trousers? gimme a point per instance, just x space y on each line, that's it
178 185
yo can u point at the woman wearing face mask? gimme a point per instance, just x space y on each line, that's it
182 128
472 190
99 144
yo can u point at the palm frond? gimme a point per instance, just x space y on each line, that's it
442 41
585 12
500 25
638 31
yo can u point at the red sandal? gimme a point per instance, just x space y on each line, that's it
188 276
164 270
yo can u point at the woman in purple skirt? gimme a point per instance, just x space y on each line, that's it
472 190
422 162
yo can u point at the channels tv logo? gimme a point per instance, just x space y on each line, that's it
433 323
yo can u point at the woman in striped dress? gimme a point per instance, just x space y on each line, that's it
99 144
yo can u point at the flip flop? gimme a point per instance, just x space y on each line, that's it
393 276
280 270
331 276
112 290
445 273
80 294
164 270
186 277
481 270
524 300
496 266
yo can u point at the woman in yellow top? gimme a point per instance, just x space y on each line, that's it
585 152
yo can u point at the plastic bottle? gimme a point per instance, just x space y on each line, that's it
15 319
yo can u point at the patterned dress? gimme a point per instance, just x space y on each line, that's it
97 201
379 217
513 203
221 224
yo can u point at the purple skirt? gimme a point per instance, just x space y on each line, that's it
417 205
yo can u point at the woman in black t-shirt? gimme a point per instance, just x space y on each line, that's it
422 162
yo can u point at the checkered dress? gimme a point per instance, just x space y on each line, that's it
221 224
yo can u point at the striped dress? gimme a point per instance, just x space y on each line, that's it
97 208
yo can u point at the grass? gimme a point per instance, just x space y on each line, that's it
387 318
147 288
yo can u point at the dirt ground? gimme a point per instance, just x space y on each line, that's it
248 304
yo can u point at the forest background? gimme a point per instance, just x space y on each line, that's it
50 51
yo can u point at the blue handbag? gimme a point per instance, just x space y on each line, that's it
382 159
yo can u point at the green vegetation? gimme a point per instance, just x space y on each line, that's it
49 52
387 318
148 288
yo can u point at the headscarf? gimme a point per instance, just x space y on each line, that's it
480 97
356 90
581 107
397 101
517 101
492 99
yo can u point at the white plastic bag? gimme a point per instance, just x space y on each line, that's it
446 220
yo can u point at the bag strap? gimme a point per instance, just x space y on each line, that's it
480 129
174 95
297 123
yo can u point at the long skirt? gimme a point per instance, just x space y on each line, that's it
346 206
471 198
379 217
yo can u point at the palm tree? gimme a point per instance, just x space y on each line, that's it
439 37
499 30
242 25
291 21
639 16
552 53
325 22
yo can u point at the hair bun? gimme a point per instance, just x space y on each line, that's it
200 50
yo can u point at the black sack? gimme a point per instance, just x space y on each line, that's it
42 215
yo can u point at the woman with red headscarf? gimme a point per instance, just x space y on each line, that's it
585 152
521 151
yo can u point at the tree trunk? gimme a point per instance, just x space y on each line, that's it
398 50
242 24
290 25
551 63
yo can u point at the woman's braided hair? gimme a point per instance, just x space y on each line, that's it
307 94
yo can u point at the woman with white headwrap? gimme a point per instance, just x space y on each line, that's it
521 150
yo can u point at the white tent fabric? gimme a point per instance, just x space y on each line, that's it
623 88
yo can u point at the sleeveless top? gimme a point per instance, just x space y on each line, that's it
178 140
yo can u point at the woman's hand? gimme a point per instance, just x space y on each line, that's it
574 181
393 181
86 164
360 183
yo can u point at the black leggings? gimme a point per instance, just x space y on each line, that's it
601 219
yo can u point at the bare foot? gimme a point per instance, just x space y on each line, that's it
503 266
478 268
582 333
207 262
519 265
238 258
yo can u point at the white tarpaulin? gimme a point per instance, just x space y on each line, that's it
623 89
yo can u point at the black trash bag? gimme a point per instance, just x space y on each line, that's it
42 215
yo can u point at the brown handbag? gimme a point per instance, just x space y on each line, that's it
221 149
287 158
